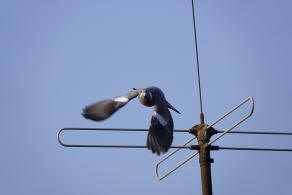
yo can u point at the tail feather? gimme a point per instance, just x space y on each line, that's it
153 144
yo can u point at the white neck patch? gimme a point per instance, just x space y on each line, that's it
121 99
160 118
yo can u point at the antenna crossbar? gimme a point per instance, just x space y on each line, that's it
108 145
175 130
159 178
197 147
145 130
256 149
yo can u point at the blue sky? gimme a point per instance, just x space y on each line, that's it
58 56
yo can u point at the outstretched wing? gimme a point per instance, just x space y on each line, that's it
160 133
105 108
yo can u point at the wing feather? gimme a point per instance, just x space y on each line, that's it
105 108
160 136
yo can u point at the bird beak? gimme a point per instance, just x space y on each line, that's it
171 107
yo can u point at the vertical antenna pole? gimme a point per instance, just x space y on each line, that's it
203 134
205 165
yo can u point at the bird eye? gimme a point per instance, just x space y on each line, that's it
149 95
146 98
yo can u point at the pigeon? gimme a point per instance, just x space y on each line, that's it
160 134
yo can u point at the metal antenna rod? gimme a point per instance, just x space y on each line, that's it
204 152
197 60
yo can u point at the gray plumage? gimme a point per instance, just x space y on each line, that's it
105 108
160 135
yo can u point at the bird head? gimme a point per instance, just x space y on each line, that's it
146 98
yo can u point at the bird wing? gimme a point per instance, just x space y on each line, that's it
105 108
160 133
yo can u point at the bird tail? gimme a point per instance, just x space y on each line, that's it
159 142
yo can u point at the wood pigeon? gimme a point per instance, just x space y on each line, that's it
160 133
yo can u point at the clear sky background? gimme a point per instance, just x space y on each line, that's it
58 56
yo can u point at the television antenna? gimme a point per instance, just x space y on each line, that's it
202 132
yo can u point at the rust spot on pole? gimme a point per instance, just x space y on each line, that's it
202 118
